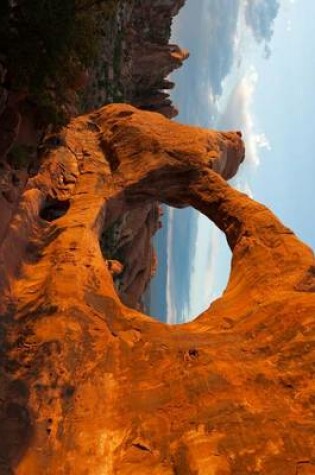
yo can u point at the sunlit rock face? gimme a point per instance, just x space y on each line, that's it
91 386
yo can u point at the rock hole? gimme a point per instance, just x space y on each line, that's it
125 113
194 263
169 263
93 126
54 209
68 391
110 154
193 353
140 446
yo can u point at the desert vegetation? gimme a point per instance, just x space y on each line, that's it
47 46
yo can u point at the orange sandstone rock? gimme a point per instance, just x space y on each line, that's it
90 386
115 267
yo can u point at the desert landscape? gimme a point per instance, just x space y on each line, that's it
91 384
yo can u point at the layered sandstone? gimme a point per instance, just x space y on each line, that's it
90 386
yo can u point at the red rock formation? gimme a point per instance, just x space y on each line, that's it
127 237
165 58
152 20
90 386
157 102
115 267
136 57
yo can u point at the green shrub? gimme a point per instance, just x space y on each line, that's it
48 43
20 156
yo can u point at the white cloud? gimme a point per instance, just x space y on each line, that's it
212 263
262 141
204 272
238 115
212 272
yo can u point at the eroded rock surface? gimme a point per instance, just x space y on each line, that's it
90 386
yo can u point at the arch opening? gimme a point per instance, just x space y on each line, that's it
166 262
54 209
193 266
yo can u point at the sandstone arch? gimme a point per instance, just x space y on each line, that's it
90 386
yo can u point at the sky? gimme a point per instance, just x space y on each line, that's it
251 68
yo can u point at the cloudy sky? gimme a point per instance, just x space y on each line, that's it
252 67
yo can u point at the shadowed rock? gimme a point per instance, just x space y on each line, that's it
107 389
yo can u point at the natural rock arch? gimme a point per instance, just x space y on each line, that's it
90 386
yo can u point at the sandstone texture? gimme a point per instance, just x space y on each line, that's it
91 386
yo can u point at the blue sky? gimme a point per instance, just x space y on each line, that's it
252 67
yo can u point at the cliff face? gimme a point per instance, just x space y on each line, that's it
136 57
90 386
127 240
149 38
